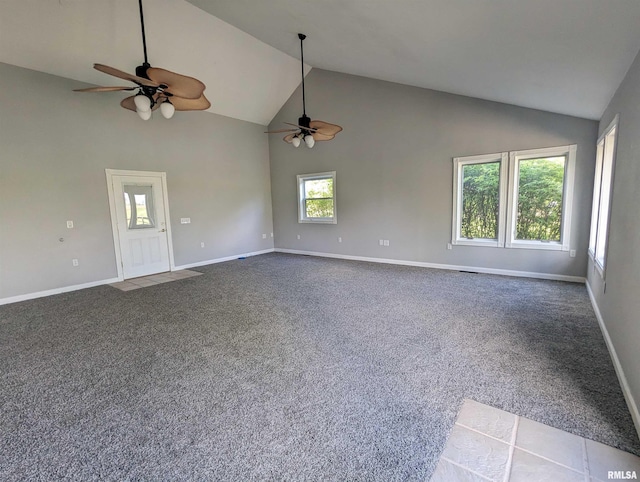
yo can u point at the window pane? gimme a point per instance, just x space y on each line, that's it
138 203
316 198
318 188
605 198
319 208
595 208
540 188
480 200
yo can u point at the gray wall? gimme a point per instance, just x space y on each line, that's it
395 172
56 145
620 304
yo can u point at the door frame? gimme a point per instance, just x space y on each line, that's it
110 173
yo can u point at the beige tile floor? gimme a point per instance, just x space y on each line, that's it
154 279
490 444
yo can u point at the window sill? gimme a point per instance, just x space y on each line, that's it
537 245
487 243
318 221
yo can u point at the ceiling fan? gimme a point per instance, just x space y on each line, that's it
307 130
157 88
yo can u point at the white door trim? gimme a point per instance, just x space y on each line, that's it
114 222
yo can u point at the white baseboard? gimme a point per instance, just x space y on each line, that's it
56 291
222 260
626 390
503 272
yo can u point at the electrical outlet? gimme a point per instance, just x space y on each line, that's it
339 239
74 262
572 253
449 246
202 244
69 224
264 236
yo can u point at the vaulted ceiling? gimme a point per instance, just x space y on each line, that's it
565 56
246 79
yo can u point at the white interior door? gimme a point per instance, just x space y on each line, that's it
139 203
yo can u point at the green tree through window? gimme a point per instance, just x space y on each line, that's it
318 194
540 186
480 200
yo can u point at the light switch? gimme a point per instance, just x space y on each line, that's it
69 224
185 220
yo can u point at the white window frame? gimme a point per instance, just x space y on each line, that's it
458 178
602 196
508 210
595 204
567 197
302 217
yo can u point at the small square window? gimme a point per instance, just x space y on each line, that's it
316 198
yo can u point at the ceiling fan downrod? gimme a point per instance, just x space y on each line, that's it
141 70
304 120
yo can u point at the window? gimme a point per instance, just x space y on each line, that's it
316 198
478 197
541 193
520 199
138 204
603 183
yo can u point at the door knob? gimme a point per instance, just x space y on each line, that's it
162 230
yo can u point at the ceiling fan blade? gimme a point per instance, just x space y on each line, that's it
280 131
312 129
123 75
177 84
104 89
322 137
201 103
325 128
128 103
288 138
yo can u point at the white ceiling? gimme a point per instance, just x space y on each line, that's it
564 56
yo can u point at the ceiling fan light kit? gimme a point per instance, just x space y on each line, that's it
306 130
156 88
143 103
309 141
167 109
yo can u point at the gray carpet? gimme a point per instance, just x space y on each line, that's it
283 367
